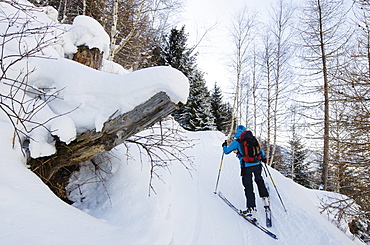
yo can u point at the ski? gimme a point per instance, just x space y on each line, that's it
253 222
268 217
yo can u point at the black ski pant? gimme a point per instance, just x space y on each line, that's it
246 173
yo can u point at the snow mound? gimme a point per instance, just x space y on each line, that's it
86 31
76 98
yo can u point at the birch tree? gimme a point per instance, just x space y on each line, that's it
241 31
254 89
282 49
267 71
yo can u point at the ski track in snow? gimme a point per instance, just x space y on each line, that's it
184 211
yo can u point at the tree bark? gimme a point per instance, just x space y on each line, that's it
325 163
90 57
91 143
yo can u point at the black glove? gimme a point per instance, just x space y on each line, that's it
224 144
264 160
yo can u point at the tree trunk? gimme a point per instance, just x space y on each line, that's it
242 26
113 31
325 163
267 63
90 57
91 143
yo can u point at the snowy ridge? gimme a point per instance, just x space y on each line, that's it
185 210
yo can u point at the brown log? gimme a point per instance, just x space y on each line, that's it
114 132
90 57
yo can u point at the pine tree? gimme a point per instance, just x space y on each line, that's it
216 104
299 169
196 114
175 53
220 111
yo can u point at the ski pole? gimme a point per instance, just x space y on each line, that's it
219 171
264 169
273 182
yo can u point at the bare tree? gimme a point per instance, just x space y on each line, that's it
255 84
323 42
137 12
281 28
242 34
135 26
267 61
351 153
251 90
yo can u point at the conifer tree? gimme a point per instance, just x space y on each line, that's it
216 103
298 167
196 114
174 52
220 111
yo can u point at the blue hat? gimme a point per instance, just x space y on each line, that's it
240 129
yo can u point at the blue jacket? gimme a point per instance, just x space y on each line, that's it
236 145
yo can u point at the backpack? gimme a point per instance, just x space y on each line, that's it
250 147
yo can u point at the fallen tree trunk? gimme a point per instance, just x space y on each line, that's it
92 143
89 57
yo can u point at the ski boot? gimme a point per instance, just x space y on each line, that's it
266 202
266 205
250 213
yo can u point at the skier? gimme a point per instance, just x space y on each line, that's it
247 168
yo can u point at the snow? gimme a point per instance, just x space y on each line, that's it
184 211
85 98
119 209
92 96
86 31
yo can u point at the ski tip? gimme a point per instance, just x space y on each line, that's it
273 236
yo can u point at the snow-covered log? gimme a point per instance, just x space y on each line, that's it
91 143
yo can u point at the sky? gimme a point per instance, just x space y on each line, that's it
215 49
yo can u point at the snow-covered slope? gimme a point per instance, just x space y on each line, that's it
119 210
184 211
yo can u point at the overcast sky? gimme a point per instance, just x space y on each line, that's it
214 49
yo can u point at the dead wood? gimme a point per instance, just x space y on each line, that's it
90 57
92 143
